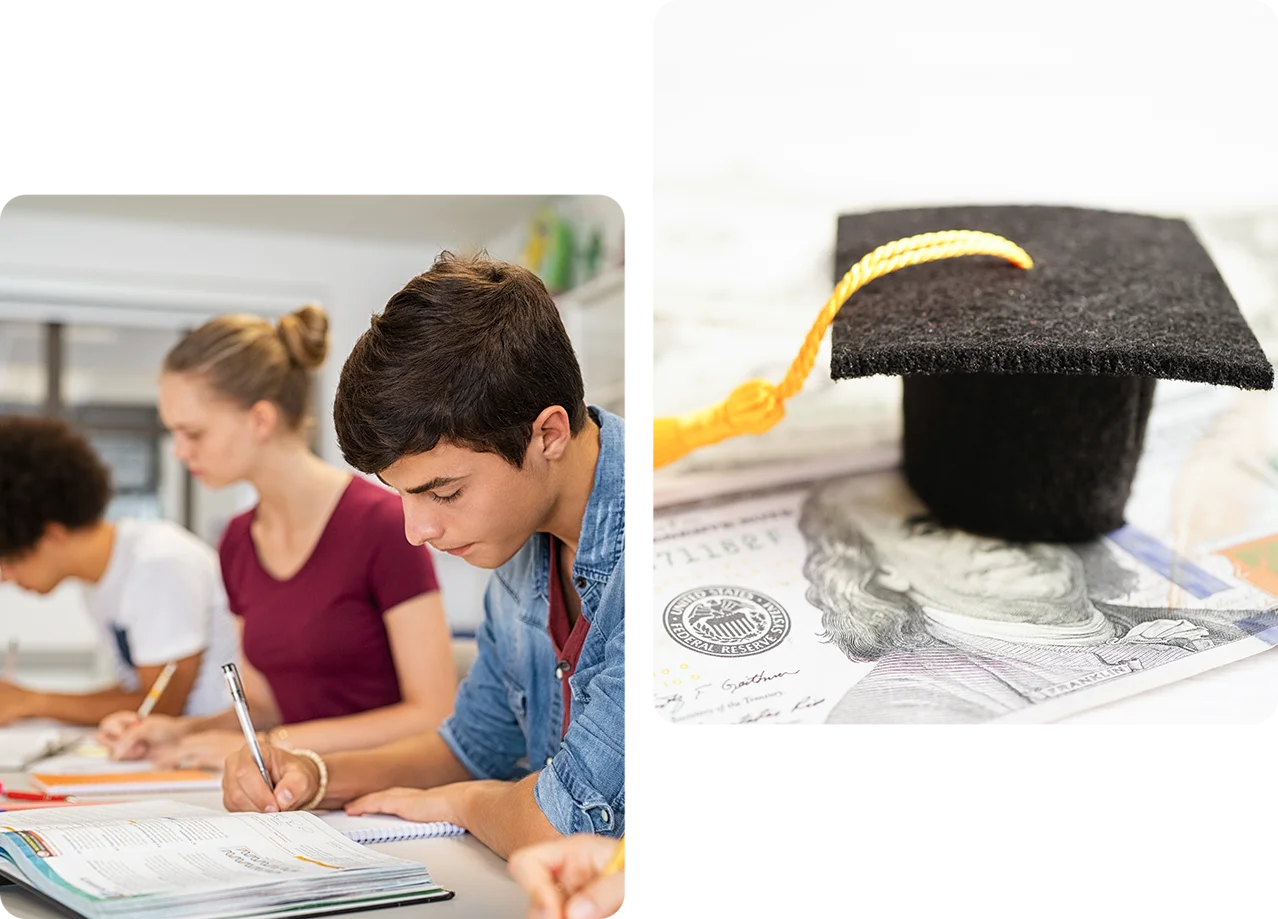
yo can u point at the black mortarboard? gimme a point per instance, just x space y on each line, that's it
1026 392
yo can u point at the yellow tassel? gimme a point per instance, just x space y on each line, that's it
757 405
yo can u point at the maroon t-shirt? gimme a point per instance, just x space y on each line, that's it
567 640
319 637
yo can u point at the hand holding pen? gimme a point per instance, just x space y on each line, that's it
297 781
130 735
302 775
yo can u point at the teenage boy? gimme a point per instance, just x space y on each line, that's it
466 398
153 590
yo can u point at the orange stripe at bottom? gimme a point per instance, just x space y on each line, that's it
947 908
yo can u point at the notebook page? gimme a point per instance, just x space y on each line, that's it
384 828
86 757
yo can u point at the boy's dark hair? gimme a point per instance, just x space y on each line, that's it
48 474
471 352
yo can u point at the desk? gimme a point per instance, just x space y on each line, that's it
461 864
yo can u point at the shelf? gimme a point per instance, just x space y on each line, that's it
602 287
609 394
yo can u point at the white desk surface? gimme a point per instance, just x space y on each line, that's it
461 864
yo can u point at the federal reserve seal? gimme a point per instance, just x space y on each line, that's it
726 621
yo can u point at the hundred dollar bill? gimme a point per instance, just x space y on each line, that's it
835 597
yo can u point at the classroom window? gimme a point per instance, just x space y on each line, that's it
103 380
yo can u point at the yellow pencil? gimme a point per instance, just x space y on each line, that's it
157 689
618 860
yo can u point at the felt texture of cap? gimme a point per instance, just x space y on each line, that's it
1026 393
1110 293
1015 462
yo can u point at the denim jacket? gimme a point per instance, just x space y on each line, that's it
508 719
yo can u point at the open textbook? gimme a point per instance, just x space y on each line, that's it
825 597
167 859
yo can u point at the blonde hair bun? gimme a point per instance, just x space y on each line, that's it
305 335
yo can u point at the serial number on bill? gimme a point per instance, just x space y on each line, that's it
716 549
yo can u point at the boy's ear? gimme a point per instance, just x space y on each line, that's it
56 533
552 432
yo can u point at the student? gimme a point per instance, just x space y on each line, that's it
151 587
344 636
466 398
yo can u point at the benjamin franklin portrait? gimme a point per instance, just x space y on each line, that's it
964 628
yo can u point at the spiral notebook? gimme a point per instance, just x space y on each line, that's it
382 828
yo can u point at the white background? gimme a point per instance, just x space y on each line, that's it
1118 104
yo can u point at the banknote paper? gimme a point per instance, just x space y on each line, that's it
835 598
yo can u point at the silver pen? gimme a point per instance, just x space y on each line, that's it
232 674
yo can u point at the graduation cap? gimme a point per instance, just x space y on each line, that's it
1027 381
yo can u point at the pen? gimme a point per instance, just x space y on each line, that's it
10 658
29 795
618 860
157 689
232 674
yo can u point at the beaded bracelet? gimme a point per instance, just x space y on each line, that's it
323 777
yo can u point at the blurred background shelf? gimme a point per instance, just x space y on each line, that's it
594 316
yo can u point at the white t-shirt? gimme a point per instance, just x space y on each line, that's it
161 599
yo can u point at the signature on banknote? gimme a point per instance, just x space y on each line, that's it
732 695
